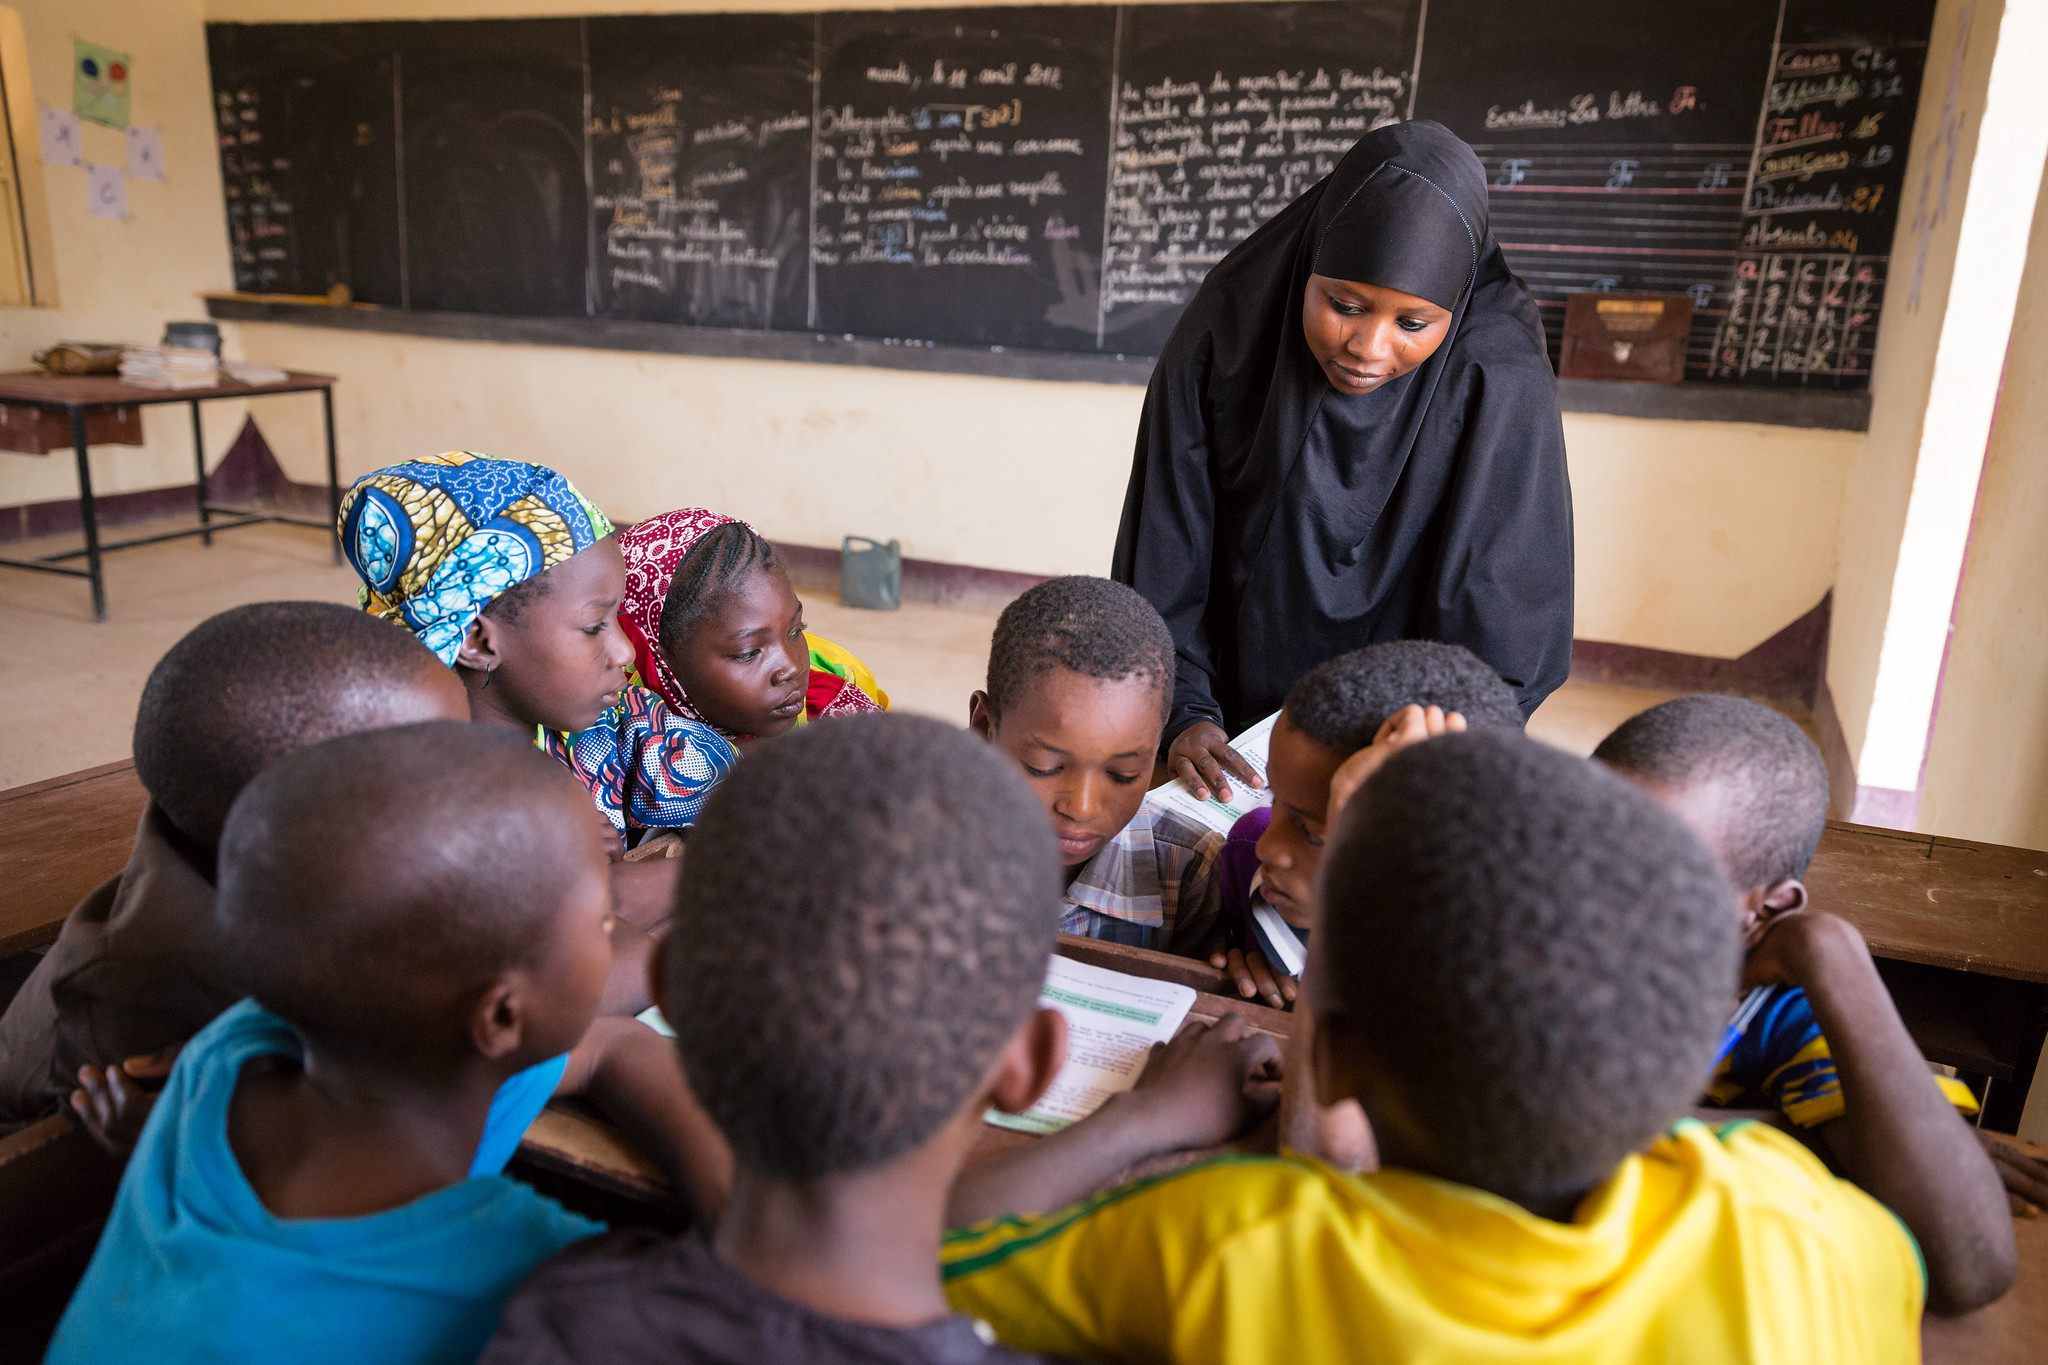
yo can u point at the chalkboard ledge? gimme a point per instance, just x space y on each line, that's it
1789 407
1830 409
607 334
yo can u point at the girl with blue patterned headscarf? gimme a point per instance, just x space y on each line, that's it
437 541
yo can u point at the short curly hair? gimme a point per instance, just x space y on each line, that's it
373 884
1538 954
1090 626
843 972
255 682
1778 782
1341 703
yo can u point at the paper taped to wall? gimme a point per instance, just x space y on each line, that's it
1113 1020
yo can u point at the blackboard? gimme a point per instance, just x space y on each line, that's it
1224 114
1058 179
700 153
305 120
960 174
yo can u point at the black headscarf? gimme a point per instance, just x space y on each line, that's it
1275 522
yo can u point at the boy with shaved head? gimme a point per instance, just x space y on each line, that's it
422 917
133 970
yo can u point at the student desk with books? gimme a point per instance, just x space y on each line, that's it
1960 928
571 1142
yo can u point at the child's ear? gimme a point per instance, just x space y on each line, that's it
981 719
480 652
1764 906
497 1025
1034 1055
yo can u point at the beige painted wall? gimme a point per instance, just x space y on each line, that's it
1695 537
1874 511
1987 768
121 281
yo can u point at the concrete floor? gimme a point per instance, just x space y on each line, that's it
68 686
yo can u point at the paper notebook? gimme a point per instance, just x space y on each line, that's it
1113 1019
1221 815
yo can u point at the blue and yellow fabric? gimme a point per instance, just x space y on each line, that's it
1782 1062
435 540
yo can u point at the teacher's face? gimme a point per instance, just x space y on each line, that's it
1363 335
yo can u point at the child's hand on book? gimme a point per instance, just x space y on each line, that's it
1209 1084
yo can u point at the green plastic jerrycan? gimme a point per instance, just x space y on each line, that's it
870 574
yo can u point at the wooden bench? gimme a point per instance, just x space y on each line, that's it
58 840
56 1187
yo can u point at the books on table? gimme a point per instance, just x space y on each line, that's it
1113 1019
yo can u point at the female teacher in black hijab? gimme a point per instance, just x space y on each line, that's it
1352 436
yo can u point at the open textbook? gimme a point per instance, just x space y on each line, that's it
1112 1022
1221 815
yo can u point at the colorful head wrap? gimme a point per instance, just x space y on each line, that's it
654 550
435 540
840 685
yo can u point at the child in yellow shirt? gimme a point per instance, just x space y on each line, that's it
1486 980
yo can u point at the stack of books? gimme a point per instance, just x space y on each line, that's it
253 372
170 367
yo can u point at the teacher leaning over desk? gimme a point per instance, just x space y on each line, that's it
1352 436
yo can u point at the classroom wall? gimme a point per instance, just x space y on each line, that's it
1938 177
1987 765
121 281
1701 538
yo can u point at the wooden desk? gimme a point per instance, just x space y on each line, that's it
571 1139
1961 933
58 840
80 396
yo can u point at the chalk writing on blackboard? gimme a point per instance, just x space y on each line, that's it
260 218
960 170
1819 214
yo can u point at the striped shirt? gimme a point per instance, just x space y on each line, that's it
1155 885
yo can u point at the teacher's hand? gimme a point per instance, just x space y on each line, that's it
1200 756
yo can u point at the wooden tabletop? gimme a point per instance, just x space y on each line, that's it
575 1140
1945 902
39 388
58 840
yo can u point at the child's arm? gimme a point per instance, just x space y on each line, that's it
1201 1090
625 983
1898 1138
631 1073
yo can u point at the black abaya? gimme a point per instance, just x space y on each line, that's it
1275 522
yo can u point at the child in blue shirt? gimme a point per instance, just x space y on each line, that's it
421 914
